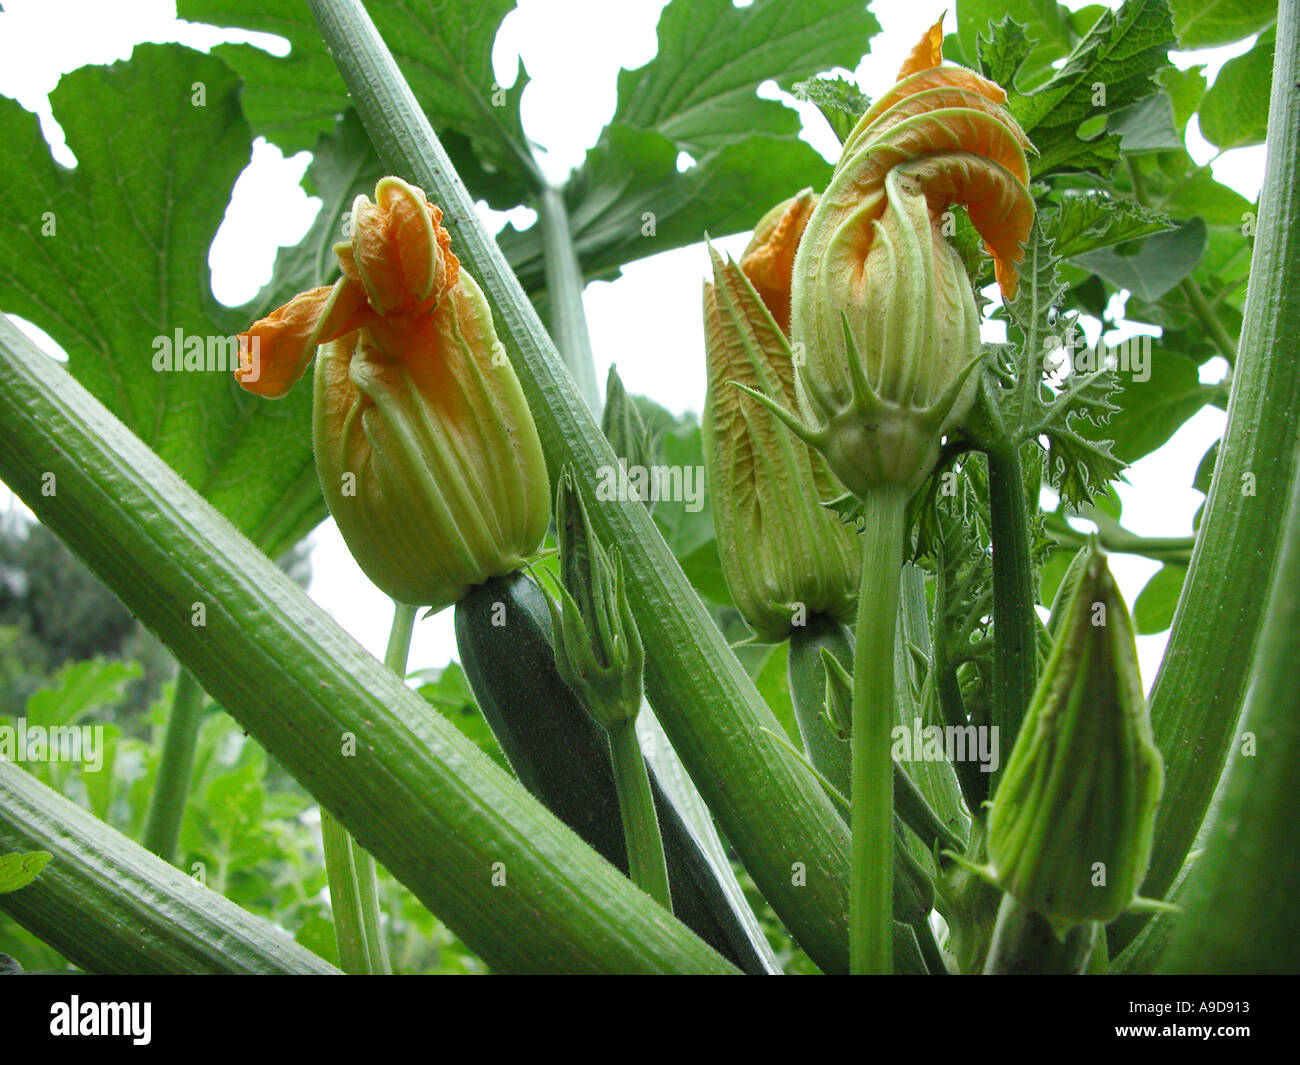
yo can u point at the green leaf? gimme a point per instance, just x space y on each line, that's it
1209 23
1147 126
1110 69
699 91
1234 111
686 523
1005 52
628 199
81 689
699 96
967 242
125 266
443 46
1044 35
1185 89
1162 262
19 869
1025 408
839 101
1198 194
1152 410
1086 221
1153 611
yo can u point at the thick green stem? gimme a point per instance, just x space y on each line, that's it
772 810
1199 690
354 889
1015 652
1241 914
564 286
872 872
1025 945
172 785
110 906
645 848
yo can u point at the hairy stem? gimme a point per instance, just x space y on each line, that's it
354 890
1198 693
1177 549
645 848
1224 344
1015 654
564 286
172 785
872 870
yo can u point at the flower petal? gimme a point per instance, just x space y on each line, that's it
928 52
275 350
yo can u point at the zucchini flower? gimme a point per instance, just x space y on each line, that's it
426 452
1070 830
880 302
768 260
785 557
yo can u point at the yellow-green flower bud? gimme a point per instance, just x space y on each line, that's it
1070 829
784 556
427 454
882 308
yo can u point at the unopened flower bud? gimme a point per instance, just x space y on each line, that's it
598 649
785 557
1070 830
427 455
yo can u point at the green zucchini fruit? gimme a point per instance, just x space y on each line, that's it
503 630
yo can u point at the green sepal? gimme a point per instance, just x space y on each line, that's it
839 695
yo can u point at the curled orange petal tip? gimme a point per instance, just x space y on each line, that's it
928 52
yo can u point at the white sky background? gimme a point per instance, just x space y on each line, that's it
648 320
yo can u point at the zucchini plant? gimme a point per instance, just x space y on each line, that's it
876 708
